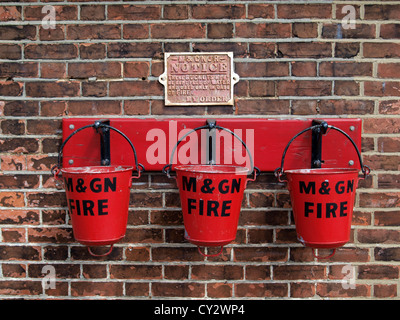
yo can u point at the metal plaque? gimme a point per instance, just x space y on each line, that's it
201 78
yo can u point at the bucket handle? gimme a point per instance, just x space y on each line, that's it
210 255
167 168
55 170
100 255
364 168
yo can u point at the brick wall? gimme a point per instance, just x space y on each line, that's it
295 59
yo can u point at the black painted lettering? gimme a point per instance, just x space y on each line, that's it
191 205
95 188
108 185
222 187
350 185
343 208
331 208
68 183
88 206
212 206
226 205
319 210
71 205
236 185
189 185
102 204
308 188
339 187
308 208
201 207
78 207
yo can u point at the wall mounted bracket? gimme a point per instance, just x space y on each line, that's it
154 140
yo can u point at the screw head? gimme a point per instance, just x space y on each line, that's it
351 163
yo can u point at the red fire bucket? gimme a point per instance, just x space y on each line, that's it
322 201
211 198
98 199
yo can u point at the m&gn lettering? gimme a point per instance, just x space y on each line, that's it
328 209
89 207
210 207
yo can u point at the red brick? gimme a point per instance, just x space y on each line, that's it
271 106
265 11
300 11
95 31
345 69
135 88
136 31
218 11
10 51
136 69
382 88
134 50
381 12
134 12
219 290
86 288
377 236
380 200
388 144
10 13
299 272
335 290
52 89
262 69
219 30
225 272
135 272
261 290
94 107
305 50
390 31
14 69
24 32
94 69
55 70
176 12
263 30
177 289
52 34
304 88
304 69
93 12
381 50
389 70
20 287
34 13
10 88
8 252
51 51
385 291
305 30
362 31
177 30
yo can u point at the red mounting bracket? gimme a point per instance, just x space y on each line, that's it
155 139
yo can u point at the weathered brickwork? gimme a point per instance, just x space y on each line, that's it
103 59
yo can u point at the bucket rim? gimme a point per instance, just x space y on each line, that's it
321 171
96 169
218 169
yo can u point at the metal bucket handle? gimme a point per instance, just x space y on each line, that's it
168 167
279 171
55 170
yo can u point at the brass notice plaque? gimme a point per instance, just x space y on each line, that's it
204 78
